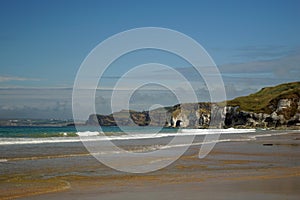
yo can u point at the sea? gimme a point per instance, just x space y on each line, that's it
59 151
150 138
24 135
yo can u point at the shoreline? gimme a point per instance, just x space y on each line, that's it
231 163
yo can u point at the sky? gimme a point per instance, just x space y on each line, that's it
43 43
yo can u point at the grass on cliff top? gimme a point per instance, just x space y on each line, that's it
263 99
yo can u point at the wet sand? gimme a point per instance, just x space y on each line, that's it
267 168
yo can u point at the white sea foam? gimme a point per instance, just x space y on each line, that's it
216 131
88 137
95 136
88 133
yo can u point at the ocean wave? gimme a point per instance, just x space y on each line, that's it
96 136
132 148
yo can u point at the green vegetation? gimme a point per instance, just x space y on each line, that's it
267 98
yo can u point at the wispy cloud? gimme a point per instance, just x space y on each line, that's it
264 52
245 75
286 66
16 78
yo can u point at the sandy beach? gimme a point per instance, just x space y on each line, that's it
266 168
149 100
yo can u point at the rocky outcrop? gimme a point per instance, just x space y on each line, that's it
273 107
122 118
204 115
285 114
201 115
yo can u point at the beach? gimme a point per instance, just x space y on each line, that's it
149 100
264 168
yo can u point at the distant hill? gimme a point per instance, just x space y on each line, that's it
271 107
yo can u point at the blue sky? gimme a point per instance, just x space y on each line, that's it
42 43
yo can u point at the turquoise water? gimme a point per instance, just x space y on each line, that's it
71 131
34 132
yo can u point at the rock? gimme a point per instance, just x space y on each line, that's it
281 108
283 104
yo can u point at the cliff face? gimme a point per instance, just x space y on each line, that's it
199 115
272 107
123 118
285 114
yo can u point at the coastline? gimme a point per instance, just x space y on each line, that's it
232 168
